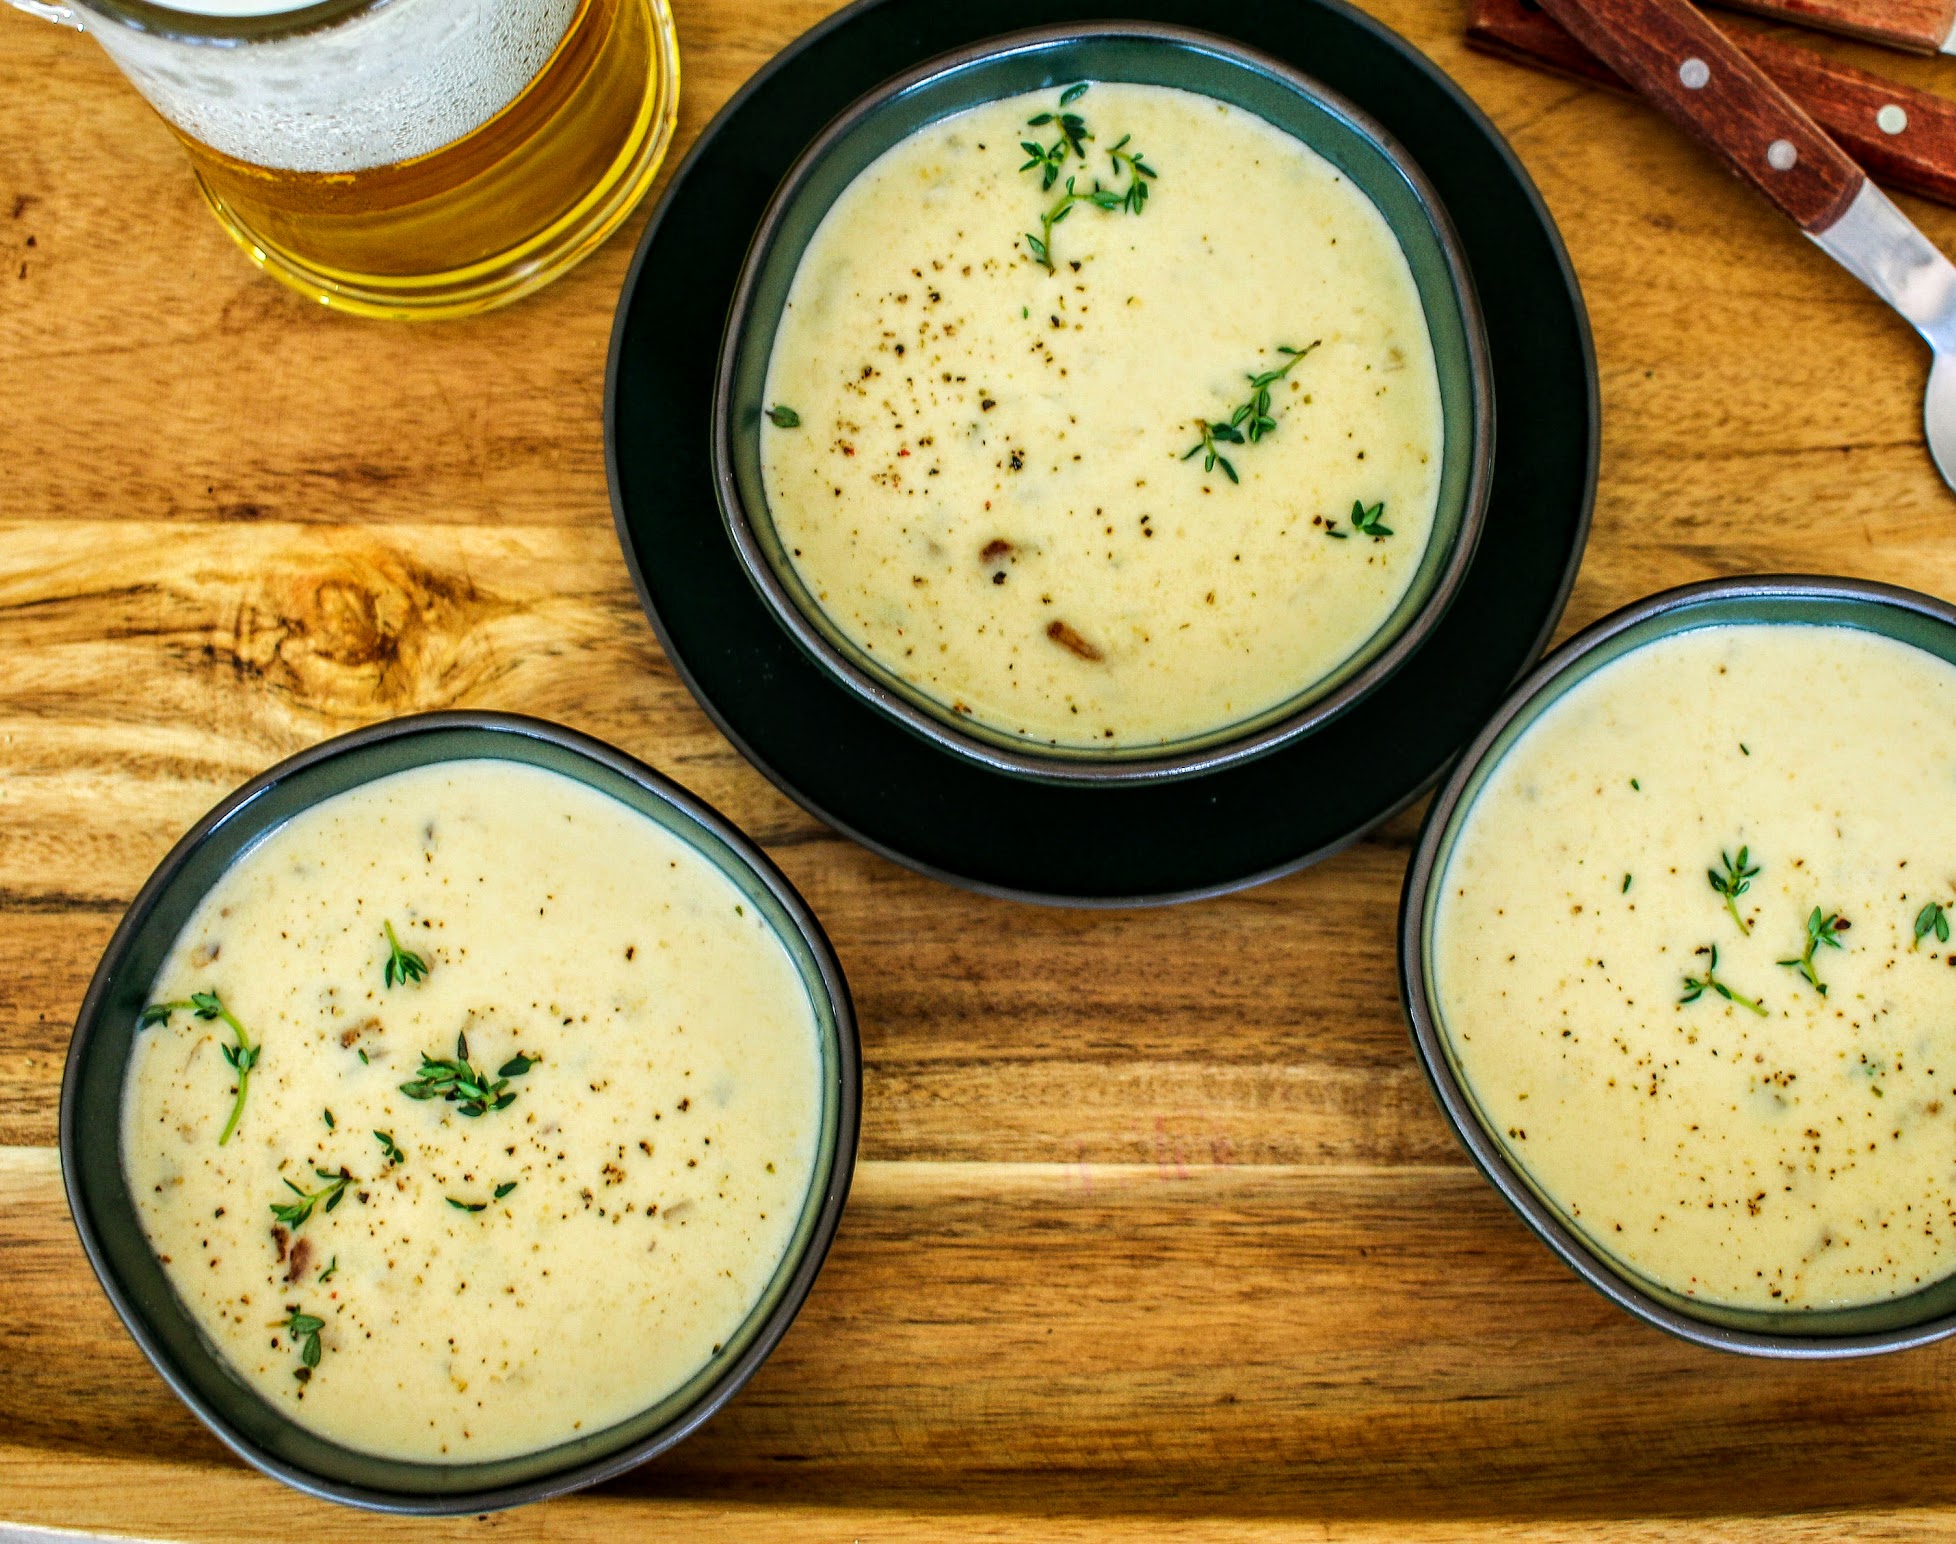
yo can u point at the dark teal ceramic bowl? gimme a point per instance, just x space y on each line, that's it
1146 54
1918 620
98 1058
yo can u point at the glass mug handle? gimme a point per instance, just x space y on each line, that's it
50 10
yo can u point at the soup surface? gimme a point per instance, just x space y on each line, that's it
982 471
586 1221
1772 1125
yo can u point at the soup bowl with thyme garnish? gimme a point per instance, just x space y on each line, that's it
1105 404
460 1114
1676 948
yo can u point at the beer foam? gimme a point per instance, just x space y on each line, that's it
236 7
396 82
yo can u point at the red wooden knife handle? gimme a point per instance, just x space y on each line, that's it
1701 79
1920 26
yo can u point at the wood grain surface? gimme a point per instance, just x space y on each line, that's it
1157 1233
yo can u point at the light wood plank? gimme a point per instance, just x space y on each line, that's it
1331 1342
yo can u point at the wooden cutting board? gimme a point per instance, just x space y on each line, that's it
1157 1233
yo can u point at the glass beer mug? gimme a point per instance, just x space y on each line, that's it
406 158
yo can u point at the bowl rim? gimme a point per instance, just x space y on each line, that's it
737 1373
1312 715
1488 1154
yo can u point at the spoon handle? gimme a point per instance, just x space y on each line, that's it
1699 78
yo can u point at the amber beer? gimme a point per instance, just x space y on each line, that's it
424 157
492 214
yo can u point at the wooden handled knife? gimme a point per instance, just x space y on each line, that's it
1692 72
1905 138
1919 26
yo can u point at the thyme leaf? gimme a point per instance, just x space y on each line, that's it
389 1149
403 965
241 1056
303 1328
784 417
1695 987
1734 882
1931 919
1821 930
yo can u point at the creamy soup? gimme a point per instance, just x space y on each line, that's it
452 1265
977 453
1771 1125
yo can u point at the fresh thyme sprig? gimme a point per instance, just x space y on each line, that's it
1050 162
403 965
1214 458
1251 421
1695 987
1820 930
241 1056
462 1085
1931 919
304 1330
389 1148
1367 522
1051 159
1734 882
294 1213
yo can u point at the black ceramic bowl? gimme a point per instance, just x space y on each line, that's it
1895 1324
1149 54
99 1054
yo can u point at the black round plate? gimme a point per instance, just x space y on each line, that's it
923 807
